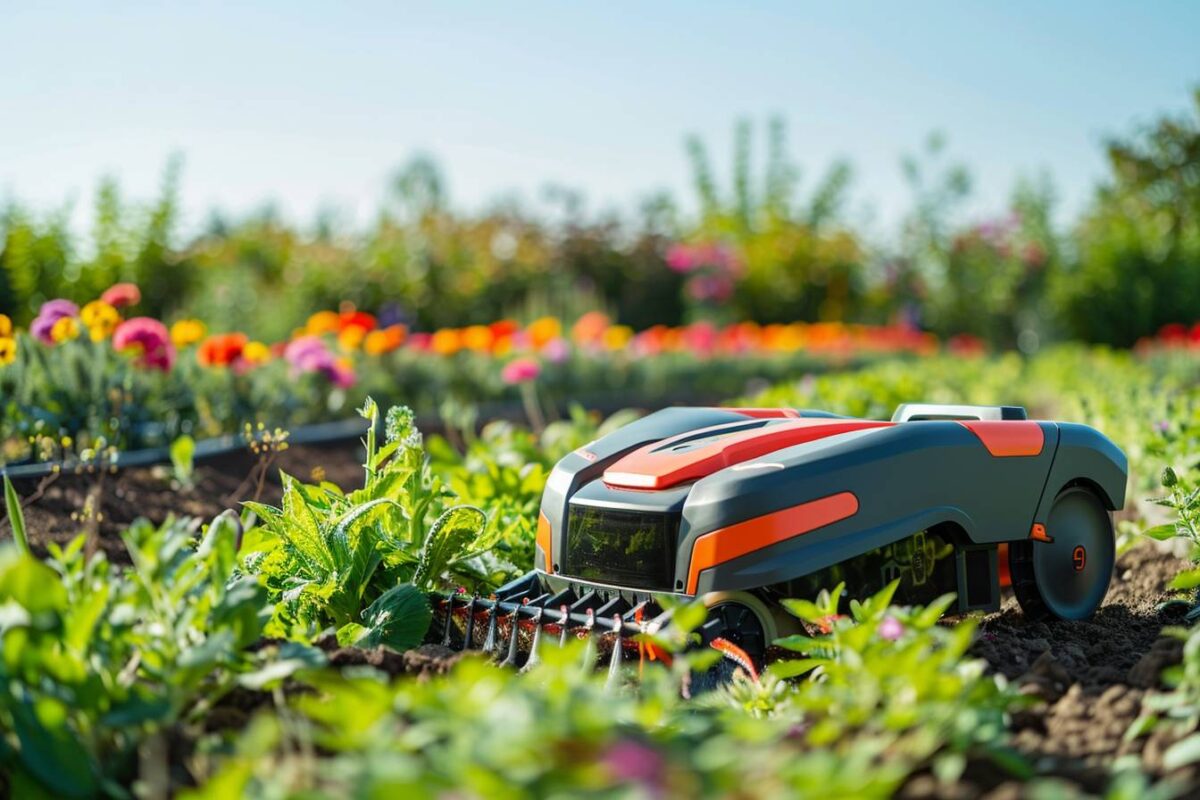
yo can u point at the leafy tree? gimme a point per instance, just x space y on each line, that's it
1139 242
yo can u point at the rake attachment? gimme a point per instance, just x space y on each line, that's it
511 624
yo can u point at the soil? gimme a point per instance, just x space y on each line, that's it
1085 680
59 513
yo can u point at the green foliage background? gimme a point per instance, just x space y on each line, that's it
1127 266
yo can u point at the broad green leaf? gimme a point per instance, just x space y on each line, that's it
1188 579
451 534
399 619
1161 532
291 658
792 668
50 751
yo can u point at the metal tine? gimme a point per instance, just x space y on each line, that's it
449 620
589 651
489 639
511 659
469 630
533 659
566 620
614 663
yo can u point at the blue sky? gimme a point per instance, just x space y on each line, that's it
309 104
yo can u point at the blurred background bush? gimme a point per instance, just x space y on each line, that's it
762 246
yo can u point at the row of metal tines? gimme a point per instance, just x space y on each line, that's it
501 624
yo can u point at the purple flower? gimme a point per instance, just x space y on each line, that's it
50 313
891 629
1162 426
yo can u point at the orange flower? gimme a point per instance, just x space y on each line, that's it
590 328
323 322
543 330
384 341
446 342
478 338
221 350
6 327
503 345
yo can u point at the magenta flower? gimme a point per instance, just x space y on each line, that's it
50 313
151 338
891 629
311 354
680 258
521 370
630 761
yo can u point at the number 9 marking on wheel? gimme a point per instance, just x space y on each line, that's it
1079 557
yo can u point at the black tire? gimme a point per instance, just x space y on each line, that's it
1068 577
738 624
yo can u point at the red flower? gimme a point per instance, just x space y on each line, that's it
221 350
120 295
359 319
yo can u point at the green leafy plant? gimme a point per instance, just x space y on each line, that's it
359 563
560 730
99 663
183 453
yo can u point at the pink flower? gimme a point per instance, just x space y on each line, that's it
120 295
149 336
521 370
679 258
50 313
891 629
633 762
556 350
701 338
311 354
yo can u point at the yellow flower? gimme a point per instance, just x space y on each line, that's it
256 353
101 319
65 330
6 327
8 351
351 338
616 337
187 332
543 330
323 322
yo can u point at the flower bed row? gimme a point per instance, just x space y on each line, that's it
99 376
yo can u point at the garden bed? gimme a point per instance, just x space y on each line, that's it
1088 677
219 483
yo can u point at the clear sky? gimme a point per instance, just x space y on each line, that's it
308 104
